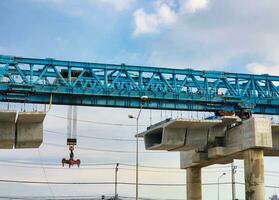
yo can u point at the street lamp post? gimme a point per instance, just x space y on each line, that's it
223 174
233 168
143 99
115 182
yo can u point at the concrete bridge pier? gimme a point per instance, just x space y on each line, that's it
194 188
254 174
206 142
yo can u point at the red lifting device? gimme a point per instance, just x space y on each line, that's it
72 134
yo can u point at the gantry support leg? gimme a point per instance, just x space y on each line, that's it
194 189
254 174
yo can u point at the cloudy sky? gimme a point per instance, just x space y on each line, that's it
232 35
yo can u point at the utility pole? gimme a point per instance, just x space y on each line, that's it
115 182
233 168
143 99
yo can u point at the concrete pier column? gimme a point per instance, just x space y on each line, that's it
194 189
254 174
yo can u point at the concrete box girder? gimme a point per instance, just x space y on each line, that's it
207 144
7 129
29 129
255 132
185 134
252 133
197 143
192 123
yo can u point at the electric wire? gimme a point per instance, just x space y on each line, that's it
95 122
104 183
111 164
91 137
89 197
103 168
55 163
122 183
96 166
266 171
45 175
55 168
106 150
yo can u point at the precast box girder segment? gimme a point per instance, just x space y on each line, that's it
207 142
21 129
95 84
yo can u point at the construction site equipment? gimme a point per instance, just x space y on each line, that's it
32 80
72 137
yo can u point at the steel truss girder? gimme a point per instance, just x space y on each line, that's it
93 84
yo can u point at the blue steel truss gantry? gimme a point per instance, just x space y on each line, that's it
32 80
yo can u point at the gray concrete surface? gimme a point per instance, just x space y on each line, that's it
29 129
206 142
194 187
254 174
7 129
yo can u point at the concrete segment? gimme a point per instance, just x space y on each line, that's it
29 129
252 133
193 158
192 123
7 129
254 174
275 136
202 143
178 134
194 188
214 140
186 134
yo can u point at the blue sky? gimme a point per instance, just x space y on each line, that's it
232 35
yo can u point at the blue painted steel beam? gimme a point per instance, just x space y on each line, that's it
32 80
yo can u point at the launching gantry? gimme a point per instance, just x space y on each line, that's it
217 141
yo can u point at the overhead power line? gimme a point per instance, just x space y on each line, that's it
91 137
107 150
94 122
266 171
79 197
47 198
55 168
102 168
121 183
146 198
45 175
103 183
55 163
110 164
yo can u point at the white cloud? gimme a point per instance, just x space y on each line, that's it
193 6
165 14
145 23
233 40
151 22
258 68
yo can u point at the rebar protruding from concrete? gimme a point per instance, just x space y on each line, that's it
194 189
254 174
